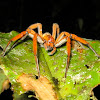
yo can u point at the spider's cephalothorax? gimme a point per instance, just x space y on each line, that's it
49 41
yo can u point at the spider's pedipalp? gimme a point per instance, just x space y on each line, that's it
52 52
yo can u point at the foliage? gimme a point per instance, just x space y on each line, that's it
19 66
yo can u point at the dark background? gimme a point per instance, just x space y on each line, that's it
80 17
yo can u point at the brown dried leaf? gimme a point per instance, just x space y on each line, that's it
6 85
41 86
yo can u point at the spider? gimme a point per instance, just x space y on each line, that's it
50 42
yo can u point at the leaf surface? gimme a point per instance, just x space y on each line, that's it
82 76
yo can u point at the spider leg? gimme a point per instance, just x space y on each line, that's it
34 26
55 29
61 39
53 51
84 42
20 39
68 44
64 37
35 53
21 35
36 38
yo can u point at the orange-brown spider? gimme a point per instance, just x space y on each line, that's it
49 41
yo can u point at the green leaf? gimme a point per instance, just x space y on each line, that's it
82 76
